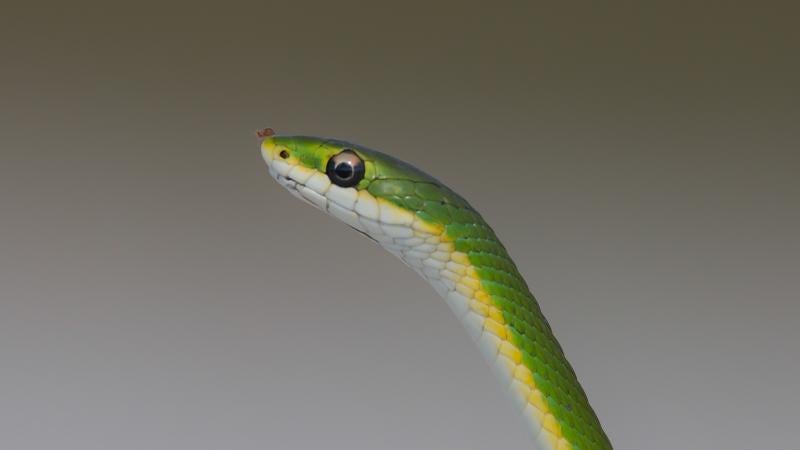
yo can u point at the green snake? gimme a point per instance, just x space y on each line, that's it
440 236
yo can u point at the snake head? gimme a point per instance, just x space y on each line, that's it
378 195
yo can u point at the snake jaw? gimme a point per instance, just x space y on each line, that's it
292 186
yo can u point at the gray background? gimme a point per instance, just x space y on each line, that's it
159 291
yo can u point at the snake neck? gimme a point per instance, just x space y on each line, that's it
471 270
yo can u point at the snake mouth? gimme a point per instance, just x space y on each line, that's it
280 170
300 190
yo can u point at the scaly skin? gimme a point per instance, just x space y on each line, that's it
439 235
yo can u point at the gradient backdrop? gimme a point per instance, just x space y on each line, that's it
159 291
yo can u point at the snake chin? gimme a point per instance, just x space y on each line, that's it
294 187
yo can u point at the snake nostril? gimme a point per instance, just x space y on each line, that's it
284 154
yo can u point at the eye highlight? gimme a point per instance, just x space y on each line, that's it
345 169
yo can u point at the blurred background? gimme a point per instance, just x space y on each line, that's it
158 290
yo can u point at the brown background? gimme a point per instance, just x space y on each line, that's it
159 291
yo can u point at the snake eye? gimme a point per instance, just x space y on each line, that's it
345 169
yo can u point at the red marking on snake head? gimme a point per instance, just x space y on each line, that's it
265 133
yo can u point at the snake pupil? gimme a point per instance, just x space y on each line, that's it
343 170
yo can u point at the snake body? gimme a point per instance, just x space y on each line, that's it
440 236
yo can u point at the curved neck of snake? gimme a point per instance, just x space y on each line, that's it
471 270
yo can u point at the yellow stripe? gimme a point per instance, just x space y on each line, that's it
468 283
524 384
